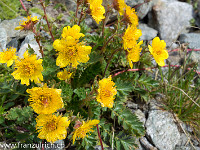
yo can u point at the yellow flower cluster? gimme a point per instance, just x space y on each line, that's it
70 50
64 75
28 23
28 68
8 56
84 128
52 127
97 10
131 16
106 92
130 38
119 5
158 50
45 101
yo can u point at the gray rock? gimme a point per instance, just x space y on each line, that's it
145 143
10 25
132 105
29 40
191 38
141 116
162 130
13 43
187 148
147 32
142 7
71 5
183 139
3 39
171 18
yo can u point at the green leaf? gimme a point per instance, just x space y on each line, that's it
82 92
1 119
123 88
128 120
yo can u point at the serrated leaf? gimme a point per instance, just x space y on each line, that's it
123 88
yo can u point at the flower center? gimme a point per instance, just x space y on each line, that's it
51 125
107 93
44 100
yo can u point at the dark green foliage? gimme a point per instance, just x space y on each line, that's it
127 119
144 86
87 76
67 91
20 115
123 88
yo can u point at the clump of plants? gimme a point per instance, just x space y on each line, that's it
77 87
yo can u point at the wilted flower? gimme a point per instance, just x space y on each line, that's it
106 92
45 100
8 56
27 24
28 68
52 127
120 6
83 128
158 50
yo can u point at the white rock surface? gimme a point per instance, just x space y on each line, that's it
3 39
29 40
171 18
162 130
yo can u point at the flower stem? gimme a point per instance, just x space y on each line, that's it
109 61
161 73
45 17
188 50
23 6
133 70
100 137
81 15
38 41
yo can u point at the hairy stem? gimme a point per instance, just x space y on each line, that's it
100 137
23 6
110 60
45 17
133 70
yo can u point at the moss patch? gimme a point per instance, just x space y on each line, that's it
9 9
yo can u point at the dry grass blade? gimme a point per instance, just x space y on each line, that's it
185 94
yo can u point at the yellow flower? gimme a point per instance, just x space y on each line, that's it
119 5
45 100
131 16
158 50
97 10
71 51
74 32
106 92
132 34
84 128
52 127
8 56
28 68
134 54
27 24
64 75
